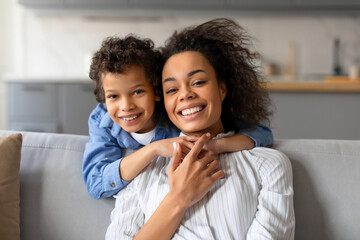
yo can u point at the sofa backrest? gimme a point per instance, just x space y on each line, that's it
55 204
54 201
326 177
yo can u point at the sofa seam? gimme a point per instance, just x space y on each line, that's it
59 147
325 152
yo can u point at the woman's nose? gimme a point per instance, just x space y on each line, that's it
126 104
186 93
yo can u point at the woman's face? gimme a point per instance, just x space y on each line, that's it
130 99
192 94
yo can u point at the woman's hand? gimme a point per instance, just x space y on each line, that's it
194 177
165 148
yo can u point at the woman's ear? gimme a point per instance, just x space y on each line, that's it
157 99
222 90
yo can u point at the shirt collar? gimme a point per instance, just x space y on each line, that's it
163 130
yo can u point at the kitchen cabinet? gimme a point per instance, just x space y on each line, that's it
32 101
43 3
199 5
187 4
96 3
259 4
315 110
327 4
76 101
50 107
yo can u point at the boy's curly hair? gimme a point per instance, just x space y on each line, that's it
227 47
117 54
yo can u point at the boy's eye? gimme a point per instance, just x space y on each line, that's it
112 96
139 91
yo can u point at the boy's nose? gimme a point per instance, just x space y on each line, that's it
126 105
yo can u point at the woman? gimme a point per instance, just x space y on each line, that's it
208 82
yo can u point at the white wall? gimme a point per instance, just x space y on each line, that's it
11 47
61 46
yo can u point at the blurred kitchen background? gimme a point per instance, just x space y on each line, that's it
310 56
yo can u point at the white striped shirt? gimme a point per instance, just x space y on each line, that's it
253 201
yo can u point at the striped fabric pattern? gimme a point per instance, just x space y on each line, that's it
253 201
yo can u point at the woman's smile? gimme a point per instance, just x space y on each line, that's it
189 111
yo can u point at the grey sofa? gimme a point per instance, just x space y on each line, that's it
55 204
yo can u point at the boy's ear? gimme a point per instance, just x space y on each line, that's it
222 90
157 99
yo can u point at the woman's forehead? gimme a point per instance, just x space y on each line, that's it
186 64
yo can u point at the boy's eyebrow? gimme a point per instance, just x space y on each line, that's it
136 86
109 90
189 75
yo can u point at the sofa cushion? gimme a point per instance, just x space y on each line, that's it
326 182
10 152
54 201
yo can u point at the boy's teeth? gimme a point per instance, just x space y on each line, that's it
191 110
129 118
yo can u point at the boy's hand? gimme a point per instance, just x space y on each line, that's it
213 146
165 148
234 143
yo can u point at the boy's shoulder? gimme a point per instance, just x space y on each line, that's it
100 117
101 124
99 111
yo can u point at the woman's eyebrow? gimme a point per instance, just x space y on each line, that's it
195 72
168 79
189 75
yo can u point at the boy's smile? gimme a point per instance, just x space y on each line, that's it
192 94
130 99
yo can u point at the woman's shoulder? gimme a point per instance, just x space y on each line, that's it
268 159
266 152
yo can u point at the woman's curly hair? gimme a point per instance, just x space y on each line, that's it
227 47
117 54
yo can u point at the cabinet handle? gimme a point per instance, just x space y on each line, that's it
31 88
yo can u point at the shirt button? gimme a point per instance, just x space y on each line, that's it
113 185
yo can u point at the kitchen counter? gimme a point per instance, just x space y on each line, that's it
313 86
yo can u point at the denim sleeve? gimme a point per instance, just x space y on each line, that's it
261 135
100 167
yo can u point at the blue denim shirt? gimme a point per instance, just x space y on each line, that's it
105 149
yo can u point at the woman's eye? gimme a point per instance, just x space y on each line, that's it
139 91
197 83
170 91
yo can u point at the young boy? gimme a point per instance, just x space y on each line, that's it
131 117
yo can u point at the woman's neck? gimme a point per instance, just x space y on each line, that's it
213 130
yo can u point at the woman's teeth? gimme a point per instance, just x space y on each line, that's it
191 110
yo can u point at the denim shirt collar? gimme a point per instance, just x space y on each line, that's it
162 130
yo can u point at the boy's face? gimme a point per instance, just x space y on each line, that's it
192 94
130 99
